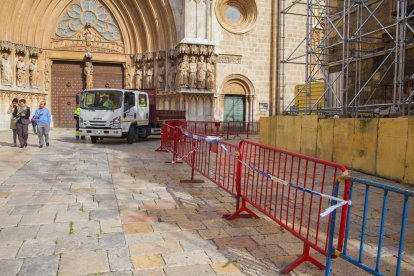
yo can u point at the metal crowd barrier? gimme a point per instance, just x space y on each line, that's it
359 222
294 190
223 129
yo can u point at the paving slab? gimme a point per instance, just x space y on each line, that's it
84 262
40 266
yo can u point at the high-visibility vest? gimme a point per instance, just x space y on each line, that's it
76 112
108 104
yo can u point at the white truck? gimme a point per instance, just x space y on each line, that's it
119 113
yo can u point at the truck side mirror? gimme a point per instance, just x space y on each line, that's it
77 99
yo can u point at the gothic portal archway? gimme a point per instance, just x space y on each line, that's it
63 37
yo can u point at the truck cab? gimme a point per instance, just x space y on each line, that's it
115 113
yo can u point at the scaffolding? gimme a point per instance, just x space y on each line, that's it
356 48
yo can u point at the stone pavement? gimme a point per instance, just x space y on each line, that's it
115 209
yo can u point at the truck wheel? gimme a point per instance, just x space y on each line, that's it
94 139
143 133
131 135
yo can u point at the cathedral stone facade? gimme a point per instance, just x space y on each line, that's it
215 59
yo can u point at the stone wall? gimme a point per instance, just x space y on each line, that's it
247 54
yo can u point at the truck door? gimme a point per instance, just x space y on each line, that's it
142 109
130 110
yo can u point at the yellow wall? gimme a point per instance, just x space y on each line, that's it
409 157
392 144
384 147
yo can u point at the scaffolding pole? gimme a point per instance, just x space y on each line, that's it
358 53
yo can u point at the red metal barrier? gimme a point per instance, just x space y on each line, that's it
211 160
294 209
284 186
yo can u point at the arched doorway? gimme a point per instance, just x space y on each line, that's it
237 99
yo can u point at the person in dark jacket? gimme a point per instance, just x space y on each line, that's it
22 114
12 121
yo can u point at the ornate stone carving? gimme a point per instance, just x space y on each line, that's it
149 56
193 72
183 71
5 45
161 55
88 24
194 50
161 77
171 54
183 49
211 78
129 76
20 72
149 76
88 72
48 64
88 54
6 71
34 74
34 51
201 73
138 58
236 59
210 50
138 77
20 49
171 76
203 50
90 13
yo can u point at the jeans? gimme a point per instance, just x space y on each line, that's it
43 130
14 136
22 133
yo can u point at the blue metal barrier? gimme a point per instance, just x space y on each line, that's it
387 190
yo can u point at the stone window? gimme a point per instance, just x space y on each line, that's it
236 16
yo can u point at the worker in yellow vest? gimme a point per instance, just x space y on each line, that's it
76 116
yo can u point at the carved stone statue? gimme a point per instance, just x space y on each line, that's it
33 73
20 71
184 49
138 77
88 72
194 49
210 74
182 74
149 77
203 50
193 73
171 76
201 73
161 78
6 72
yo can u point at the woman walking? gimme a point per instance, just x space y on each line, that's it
22 114
44 119
12 121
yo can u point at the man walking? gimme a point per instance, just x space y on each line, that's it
13 121
44 119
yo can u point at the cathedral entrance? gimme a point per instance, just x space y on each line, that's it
234 108
68 80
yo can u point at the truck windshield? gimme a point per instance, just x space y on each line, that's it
101 100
